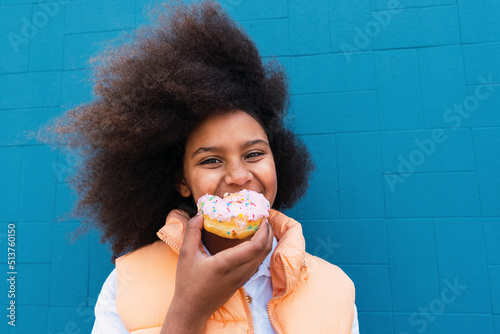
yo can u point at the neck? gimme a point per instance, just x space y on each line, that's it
215 244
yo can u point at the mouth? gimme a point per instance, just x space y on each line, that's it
221 195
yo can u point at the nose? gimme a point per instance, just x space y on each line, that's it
238 174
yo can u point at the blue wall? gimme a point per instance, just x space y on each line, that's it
398 101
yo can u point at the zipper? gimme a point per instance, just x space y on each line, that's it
272 318
248 309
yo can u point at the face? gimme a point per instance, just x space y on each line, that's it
228 153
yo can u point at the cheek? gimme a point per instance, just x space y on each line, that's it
269 178
205 182
271 172
272 177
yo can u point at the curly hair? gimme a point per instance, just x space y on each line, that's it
193 62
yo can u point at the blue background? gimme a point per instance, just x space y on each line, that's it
405 197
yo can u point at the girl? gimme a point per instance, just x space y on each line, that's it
185 109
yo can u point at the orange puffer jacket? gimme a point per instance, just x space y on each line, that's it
310 295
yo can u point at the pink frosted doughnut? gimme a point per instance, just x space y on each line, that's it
236 215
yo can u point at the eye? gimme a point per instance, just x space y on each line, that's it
210 161
254 155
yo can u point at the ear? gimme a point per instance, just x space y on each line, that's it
183 188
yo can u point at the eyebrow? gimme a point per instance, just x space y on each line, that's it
254 142
219 149
206 149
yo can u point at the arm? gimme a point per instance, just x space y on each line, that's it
204 284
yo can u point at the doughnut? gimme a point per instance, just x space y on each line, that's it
236 215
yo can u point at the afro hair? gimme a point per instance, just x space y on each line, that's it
191 63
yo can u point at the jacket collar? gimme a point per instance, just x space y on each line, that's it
287 260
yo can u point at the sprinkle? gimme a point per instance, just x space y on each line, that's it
238 205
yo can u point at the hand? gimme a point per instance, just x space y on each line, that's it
204 283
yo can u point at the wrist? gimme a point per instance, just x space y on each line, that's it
181 319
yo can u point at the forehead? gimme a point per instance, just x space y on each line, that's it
231 128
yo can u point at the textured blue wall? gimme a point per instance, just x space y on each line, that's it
398 101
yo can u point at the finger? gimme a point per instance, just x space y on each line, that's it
192 236
265 240
251 252
242 266
270 237
265 237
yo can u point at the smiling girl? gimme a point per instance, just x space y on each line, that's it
188 108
